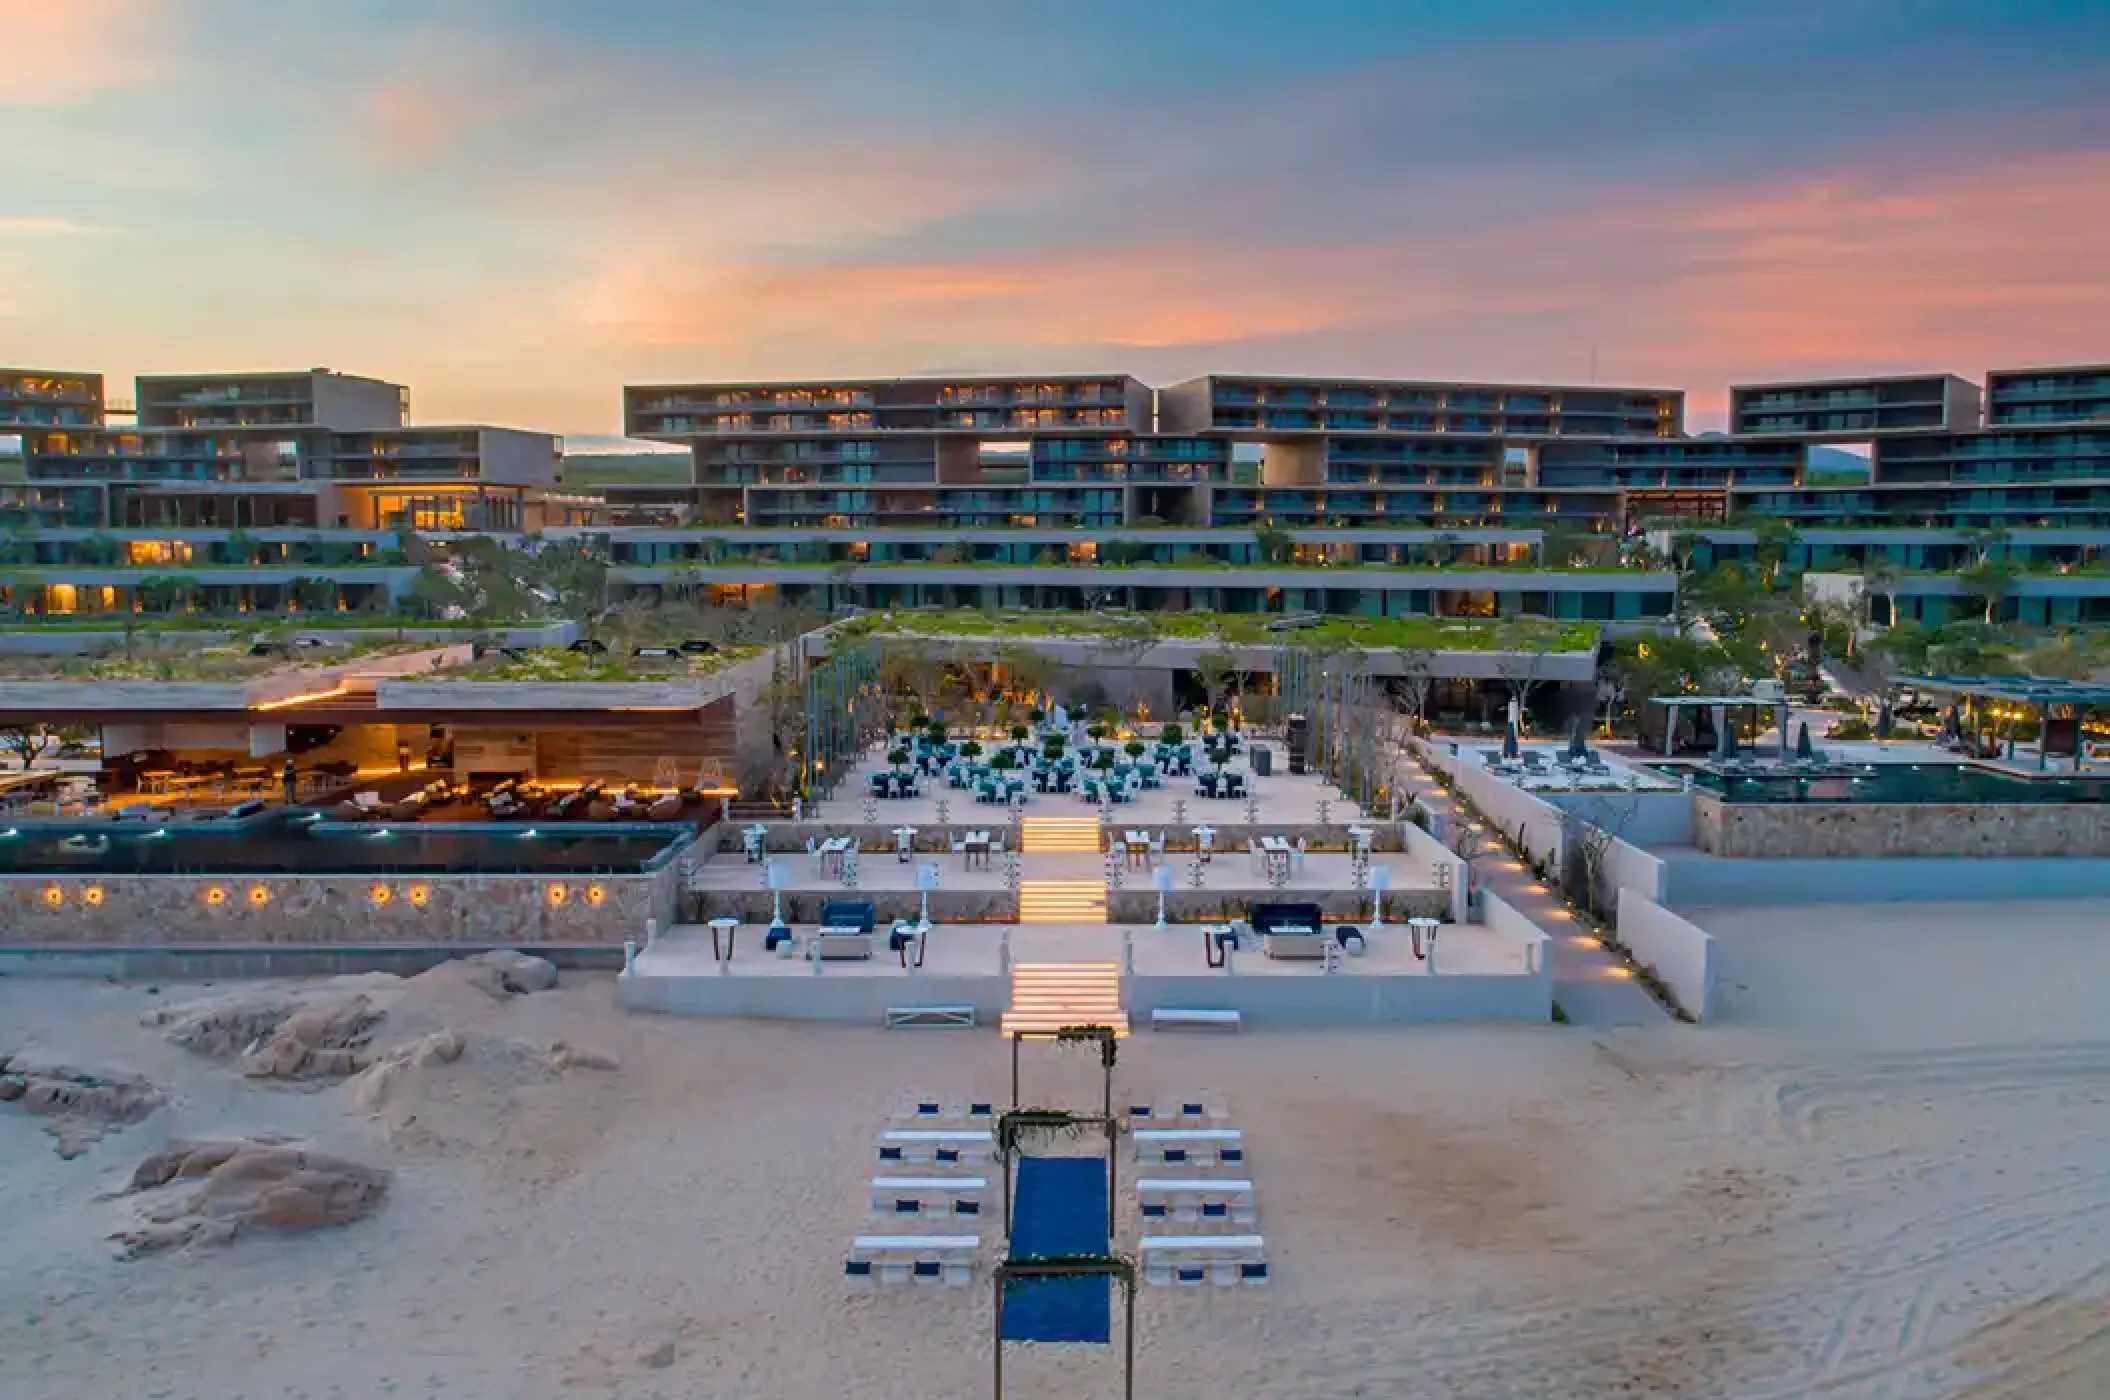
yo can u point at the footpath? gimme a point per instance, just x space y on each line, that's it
1591 986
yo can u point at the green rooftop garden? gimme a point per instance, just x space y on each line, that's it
1237 629
548 664
185 660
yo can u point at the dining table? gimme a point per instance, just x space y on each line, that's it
974 845
1137 845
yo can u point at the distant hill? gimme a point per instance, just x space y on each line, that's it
586 470
1830 466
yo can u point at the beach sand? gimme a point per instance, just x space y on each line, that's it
1886 1174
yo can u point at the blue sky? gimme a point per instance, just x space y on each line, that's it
519 206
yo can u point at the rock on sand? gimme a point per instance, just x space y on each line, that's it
247 1184
82 1104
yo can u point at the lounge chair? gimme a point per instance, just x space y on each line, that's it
666 809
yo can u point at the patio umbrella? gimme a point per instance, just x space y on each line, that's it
1951 724
1883 723
1803 751
1578 745
1509 740
1725 742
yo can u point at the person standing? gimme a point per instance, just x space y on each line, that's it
290 775
402 755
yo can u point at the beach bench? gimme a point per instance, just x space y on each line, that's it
1224 1260
911 1258
930 1018
1192 1200
1181 1113
925 1108
1189 1146
1173 1018
945 1147
931 1197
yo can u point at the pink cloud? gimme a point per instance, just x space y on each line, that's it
63 51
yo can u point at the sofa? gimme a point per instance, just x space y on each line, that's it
860 915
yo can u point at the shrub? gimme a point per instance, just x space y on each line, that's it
897 757
1053 748
1853 727
1096 731
1020 733
1002 762
971 749
1134 748
1103 760
1171 734
1037 716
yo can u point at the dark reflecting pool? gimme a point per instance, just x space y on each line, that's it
298 846
1894 782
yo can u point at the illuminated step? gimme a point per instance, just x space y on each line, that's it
1061 902
1059 835
1046 997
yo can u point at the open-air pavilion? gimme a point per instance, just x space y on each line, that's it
1723 708
1999 704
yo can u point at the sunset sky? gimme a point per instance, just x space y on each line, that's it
518 205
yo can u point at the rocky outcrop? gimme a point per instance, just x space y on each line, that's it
243 1185
503 972
81 1104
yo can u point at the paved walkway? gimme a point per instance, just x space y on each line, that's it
1592 986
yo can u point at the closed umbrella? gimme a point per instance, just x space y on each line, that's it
1725 743
1803 751
1509 741
1578 745
1883 723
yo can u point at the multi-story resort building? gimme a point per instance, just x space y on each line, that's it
264 493
291 492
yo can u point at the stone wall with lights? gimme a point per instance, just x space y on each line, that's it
1833 830
163 910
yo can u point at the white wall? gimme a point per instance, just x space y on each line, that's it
1678 951
1509 808
1644 818
1424 847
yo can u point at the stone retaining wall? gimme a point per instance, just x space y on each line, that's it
1802 830
487 910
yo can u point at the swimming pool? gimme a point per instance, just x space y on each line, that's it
1909 783
301 846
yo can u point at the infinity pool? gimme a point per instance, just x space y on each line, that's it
297 846
1897 782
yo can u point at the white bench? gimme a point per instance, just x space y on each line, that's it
1171 1018
1180 1113
940 1145
928 1108
1188 1200
1224 1260
934 1197
930 1017
911 1258
1174 1146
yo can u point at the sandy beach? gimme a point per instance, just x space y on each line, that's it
1883 1175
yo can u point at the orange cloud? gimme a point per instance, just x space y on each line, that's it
62 51
1995 265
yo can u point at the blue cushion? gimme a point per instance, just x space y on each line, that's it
889 1154
1175 1154
1232 1154
858 1268
926 1268
967 1208
908 1207
1189 1274
1212 1209
1191 1110
1153 1211
1252 1270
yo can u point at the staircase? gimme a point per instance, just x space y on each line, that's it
1059 836
1062 901
1045 997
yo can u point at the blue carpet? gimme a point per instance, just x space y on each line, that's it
1059 1208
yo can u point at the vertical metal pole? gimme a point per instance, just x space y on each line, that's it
1015 1038
1113 1173
1129 1366
996 1342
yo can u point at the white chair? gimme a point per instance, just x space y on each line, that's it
1259 859
1157 846
959 847
1296 859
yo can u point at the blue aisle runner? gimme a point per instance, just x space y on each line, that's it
1059 1208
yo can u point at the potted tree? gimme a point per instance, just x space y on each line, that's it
1019 734
898 757
1134 748
1096 731
1171 734
972 749
1051 748
1002 762
1037 716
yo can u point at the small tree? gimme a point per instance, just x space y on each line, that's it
1273 544
28 742
1216 672
1523 645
